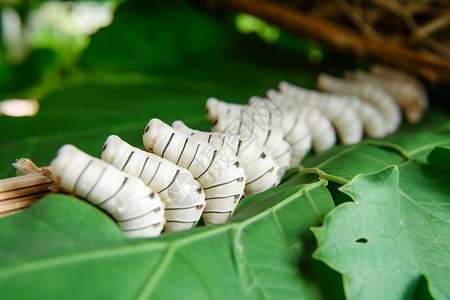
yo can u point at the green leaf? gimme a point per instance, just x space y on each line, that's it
440 157
341 164
62 242
397 230
419 141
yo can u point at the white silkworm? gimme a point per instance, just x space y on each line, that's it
348 124
138 211
295 131
260 168
341 109
264 115
409 95
183 195
234 122
220 175
367 92
320 128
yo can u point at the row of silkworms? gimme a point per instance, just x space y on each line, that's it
186 174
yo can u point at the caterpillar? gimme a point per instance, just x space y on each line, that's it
260 168
220 175
183 195
320 128
346 121
138 211
259 115
351 116
407 93
366 92
270 138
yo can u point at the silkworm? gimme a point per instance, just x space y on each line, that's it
367 92
220 175
234 122
138 211
410 96
395 74
320 128
183 195
348 124
295 131
348 113
260 168
259 116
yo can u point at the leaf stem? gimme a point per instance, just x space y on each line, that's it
323 175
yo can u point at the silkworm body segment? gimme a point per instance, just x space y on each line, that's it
138 210
409 95
260 168
183 195
367 92
220 175
349 126
234 121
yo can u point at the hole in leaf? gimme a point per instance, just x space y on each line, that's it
362 241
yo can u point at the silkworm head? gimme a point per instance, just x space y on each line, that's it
151 132
62 159
178 125
272 94
110 147
212 105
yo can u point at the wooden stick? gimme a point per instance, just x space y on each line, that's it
19 192
431 67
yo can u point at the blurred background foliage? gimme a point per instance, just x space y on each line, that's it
45 41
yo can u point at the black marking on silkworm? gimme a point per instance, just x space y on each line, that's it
129 157
167 145
81 175
157 209
181 208
183 222
144 227
223 183
193 158
115 193
261 176
95 184
238 148
143 167
209 166
217 212
182 150
267 137
280 155
221 197
156 172
173 180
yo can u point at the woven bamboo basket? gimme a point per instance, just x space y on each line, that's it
406 34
